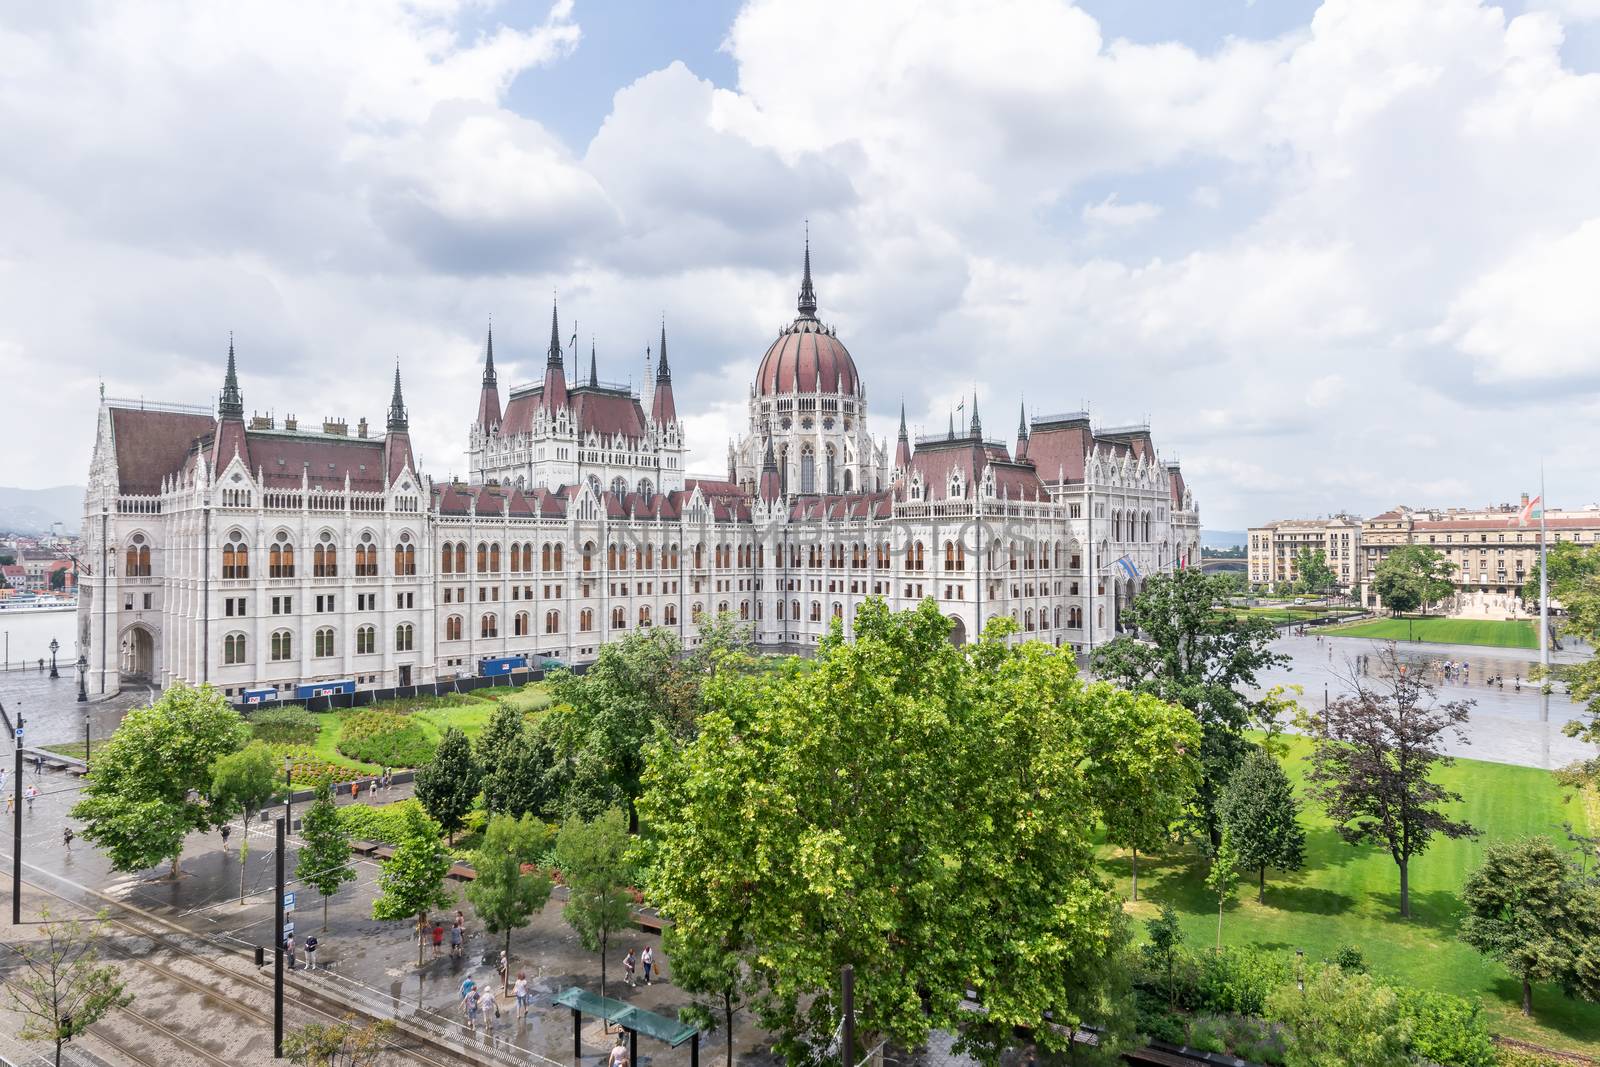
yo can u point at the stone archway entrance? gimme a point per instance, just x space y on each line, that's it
138 654
958 631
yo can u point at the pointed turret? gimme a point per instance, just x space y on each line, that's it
555 375
977 426
1022 432
808 295
230 405
771 484
902 451
594 367
398 423
489 397
647 384
662 408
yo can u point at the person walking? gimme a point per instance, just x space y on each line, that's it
521 994
647 959
455 939
627 968
66 837
489 1008
438 936
288 950
227 828
619 1053
311 952
501 967
469 1008
355 790
33 791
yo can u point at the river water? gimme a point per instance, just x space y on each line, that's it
25 637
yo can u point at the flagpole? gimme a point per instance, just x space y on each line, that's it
1544 584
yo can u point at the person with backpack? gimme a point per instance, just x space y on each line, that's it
311 952
66 837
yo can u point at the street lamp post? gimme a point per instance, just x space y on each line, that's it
86 721
288 791
54 645
83 674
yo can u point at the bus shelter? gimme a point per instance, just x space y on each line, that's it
632 1019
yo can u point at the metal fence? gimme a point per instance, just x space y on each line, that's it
441 687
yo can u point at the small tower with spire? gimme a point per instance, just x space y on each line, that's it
771 484
977 426
397 442
663 412
398 422
489 397
555 375
230 404
594 366
902 450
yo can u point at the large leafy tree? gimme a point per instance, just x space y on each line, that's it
324 862
1196 654
242 783
411 883
494 747
1412 577
531 773
1530 908
861 807
1570 563
61 988
1311 567
146 790
592 856
1260 816
1340 1019
504 895
448 785
1372 756
1575 582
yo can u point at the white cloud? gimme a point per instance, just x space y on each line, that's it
1111 212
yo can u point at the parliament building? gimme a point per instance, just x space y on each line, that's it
253 555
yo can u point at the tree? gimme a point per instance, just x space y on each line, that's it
1223 878
242 783
503 894
494 747
1529 907
338 1044
1412 577
1340 1020
1372 753
58 578
858 807
1313 571
592 858
531 773
1158 790
448 785
144 792
62 988
324 862
1201 656
1570 564
412 880
1260 815
709 967
1163 948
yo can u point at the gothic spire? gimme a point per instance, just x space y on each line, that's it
231 403
397 406
902 420
663 373
554 357
488 357
1022 422
977 427
808 296
594 368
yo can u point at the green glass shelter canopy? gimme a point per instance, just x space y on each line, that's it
670 1031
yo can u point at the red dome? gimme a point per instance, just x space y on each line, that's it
806 358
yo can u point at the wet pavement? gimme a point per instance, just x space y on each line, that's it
1507 725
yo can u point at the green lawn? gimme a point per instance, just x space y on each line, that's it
1349 895
1501 633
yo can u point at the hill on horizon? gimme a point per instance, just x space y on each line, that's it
33 511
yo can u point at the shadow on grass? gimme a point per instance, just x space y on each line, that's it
1434 909
1306 899
1570 1018
1326 849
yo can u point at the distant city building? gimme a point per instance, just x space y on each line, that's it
254 556
1274 547
1491 551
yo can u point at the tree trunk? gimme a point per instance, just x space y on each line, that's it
422 923
325 914
244 854
1405 891
605 1024
1261 891
1136 874
176 870
1219 922
727 1011
1527 997
505 979
58 1052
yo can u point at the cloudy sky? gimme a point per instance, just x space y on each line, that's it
1338 255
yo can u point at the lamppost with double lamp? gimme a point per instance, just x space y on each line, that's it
83 674
288 791
54 644
86 721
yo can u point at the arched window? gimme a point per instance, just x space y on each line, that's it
280 558
322 642
586 620
808 470
816 611
699 555
138 561
619 619
494 558
644 614
673 561
838 610
545 556
847 485
489 625
461 557
829 459
282 645
483 557
669 615
236 557
527 556
366 640
649 557
452 628
519 624
697 612
916 556
588 555
619 486
404 636
794 610
552 622
233 649
514 561
325 560
744 609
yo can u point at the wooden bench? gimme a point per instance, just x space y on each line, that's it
462 872
365 848
650 924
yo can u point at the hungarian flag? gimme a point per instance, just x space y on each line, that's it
1533 509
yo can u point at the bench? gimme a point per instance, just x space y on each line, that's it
462 872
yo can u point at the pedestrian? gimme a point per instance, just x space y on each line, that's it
438 936
66 837
501 968
469 1008
627 968
619 1054
38 765
311 952
467 986
520 992
355 790
647 959
32 792
288 950
11 803
455 940
488 1007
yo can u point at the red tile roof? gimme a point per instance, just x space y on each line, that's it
806 360
324 459
153 444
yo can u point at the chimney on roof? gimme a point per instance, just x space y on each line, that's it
337 427
291 423
260 422
1524 499
361 428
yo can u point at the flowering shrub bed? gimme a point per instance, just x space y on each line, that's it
384 823
290 726
310 767
386 738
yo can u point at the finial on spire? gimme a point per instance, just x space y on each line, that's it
808 295
977 427
397 405
663 372
902 420
554 356
231 403
1022 421
489 377
594 367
